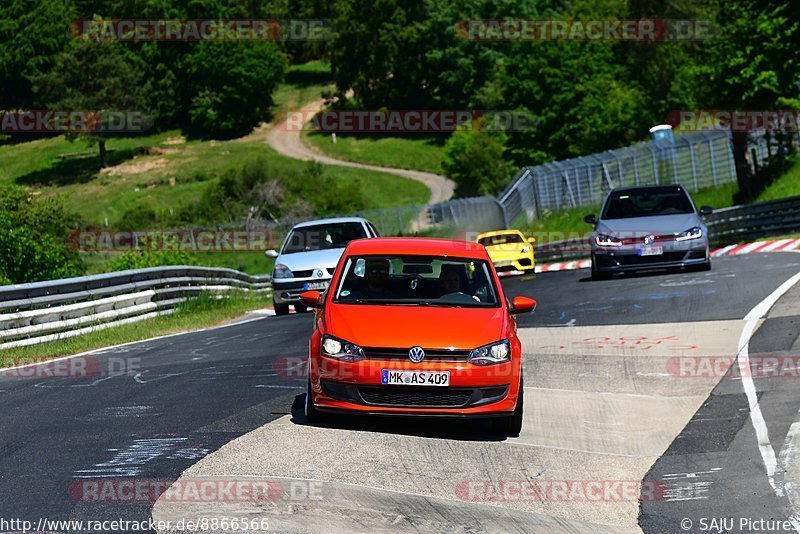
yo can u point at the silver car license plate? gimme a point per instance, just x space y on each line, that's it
650 251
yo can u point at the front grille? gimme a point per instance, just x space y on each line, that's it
415 396
525 262
667 257
303 274
438 355
640 239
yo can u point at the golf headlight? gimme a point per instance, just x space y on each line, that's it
498 352
281 271
341 350
603 240
691 233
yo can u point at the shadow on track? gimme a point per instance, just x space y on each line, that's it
460 429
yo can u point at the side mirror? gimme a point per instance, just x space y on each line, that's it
706 210
590 219
531 240
312 299
521 305
271 253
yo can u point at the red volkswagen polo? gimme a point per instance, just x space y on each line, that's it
413 326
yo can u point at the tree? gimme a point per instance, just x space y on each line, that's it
474 160
228 85
753 64
94 76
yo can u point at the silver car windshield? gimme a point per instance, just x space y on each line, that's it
415 280
322 237
647 203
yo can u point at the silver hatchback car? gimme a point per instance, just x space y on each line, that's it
652 227
308 257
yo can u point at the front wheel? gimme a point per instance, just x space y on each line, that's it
597 275
300 308
511 425
313 415
280 309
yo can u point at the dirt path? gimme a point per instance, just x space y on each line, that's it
290 143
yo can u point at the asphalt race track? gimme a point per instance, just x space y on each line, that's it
603 403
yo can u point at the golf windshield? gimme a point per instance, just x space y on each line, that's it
322 236
647 203
416 280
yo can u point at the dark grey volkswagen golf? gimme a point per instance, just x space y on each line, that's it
651 227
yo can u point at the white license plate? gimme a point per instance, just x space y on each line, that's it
415 378
316 285
650 251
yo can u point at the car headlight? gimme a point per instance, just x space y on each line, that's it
341 350
692 233
526 249
604 240
497 352
282 271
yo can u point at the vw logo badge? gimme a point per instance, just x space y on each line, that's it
648 239
318 273
416 354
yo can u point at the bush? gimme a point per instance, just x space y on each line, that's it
34 236
152 254
138 218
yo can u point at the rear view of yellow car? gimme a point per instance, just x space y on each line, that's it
509 250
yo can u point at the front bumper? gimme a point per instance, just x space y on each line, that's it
626 258
523 262
473 390
288 291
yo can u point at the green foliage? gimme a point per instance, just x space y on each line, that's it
228 86
474 160
34 237
138 218
152 252
262 189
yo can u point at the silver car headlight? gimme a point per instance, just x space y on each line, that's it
604 240
692 233
282 271
497 352
341 350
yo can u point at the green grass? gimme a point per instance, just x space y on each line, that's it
416 153
304 83
246 262
200 312
786 185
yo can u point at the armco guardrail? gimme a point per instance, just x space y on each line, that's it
739 223
726 226
57 309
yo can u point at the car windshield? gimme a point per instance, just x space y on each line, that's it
500 239
647 203
322 236
415 280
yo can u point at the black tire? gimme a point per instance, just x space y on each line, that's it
280 309
300 308
706 266
596 275
313 416
511 425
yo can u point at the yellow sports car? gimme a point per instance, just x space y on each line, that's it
509 250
